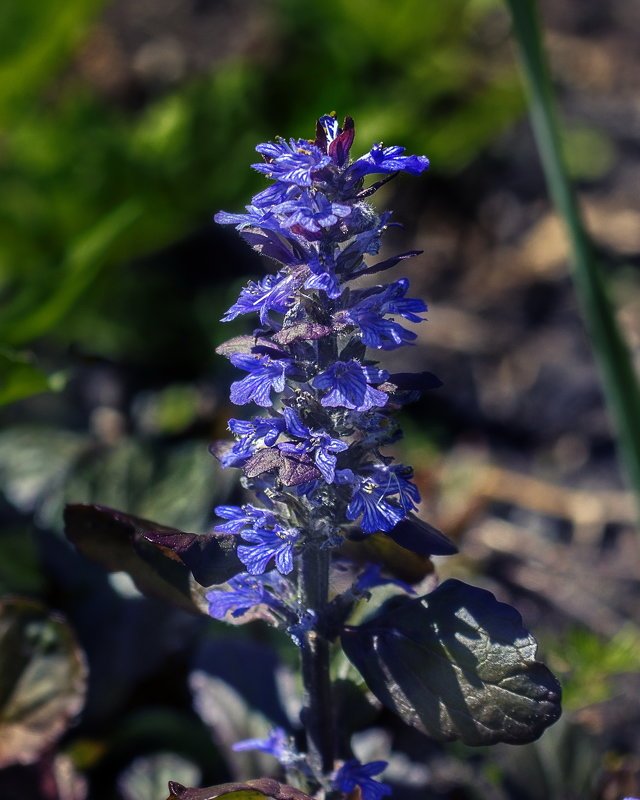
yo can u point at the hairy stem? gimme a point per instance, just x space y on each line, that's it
317 713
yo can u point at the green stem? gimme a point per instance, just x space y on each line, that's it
317 713
621 387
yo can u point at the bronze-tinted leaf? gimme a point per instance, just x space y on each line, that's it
200 552
297 468
269 459
119 541
42 680
301 331
249 790
241 344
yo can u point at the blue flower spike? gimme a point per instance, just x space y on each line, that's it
313 455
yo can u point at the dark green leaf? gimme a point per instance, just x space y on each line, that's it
250 790
420 537
120 541
42 680
379 548
457 664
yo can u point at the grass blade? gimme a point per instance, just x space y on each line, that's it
612 354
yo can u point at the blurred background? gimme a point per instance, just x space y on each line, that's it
124 125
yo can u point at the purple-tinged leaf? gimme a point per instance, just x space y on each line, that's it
269 459
388 263
457 664
292 468
202 553
118 541
249 790
420 537
339 148
307 331
297 469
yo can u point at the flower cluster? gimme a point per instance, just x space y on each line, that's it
313 459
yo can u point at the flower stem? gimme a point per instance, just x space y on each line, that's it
317 713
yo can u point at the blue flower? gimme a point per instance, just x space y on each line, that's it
378 332
353 773
265 374
266 428
278 744
322 446
255 217
244 592
383 160
347 386
389 299
233 455
250 433
278 192
368 310
243 516
291 162
367 242
267 543
370 501
298 631
323 275
395 478
393 301
311 214
273 293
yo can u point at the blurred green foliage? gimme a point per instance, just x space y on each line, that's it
589 663
89 184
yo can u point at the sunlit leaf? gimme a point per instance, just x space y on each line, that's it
35 462
457 664
120 541
147 777
42 680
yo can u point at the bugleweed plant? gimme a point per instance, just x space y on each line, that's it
327 502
